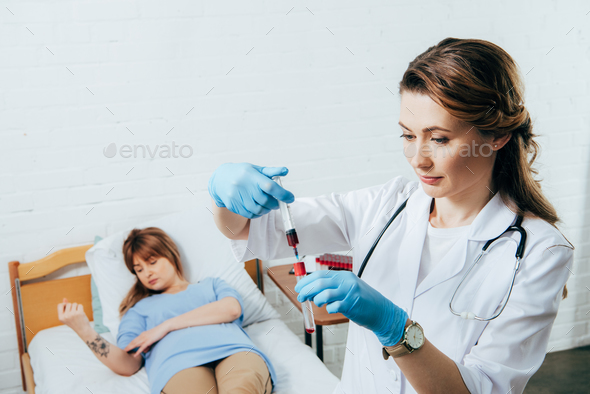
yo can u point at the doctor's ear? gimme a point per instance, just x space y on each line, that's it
499 142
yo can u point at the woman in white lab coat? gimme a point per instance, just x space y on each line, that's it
467 135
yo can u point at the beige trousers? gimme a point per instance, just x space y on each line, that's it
242 372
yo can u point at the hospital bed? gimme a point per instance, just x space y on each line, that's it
55 360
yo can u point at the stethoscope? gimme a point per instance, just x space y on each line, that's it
485 250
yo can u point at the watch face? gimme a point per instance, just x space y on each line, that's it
415 337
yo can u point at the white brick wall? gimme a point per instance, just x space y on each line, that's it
300 85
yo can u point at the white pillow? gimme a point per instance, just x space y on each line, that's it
204 252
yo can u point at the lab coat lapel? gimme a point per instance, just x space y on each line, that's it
450 265
410 251
490 222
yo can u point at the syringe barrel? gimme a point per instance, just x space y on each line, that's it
285 211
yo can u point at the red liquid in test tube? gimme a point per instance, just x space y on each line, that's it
306 308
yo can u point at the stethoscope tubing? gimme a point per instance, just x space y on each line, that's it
370 252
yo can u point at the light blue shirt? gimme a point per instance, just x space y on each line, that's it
188 347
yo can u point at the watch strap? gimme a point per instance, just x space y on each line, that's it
396 351
402 348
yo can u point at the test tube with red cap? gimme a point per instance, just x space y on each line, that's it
299 268
290 231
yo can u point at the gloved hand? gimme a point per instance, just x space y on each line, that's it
346 293
248 190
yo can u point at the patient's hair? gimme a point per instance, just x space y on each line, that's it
147 243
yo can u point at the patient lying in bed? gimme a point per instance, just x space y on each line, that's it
189 336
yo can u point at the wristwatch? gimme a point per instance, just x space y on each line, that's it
412 340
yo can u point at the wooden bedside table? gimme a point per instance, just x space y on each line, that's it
286 282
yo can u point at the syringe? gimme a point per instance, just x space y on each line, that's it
290 231
299 268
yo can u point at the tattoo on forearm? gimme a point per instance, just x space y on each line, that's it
99 346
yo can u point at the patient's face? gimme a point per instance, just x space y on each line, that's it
156 273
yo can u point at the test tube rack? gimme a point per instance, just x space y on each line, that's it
337 262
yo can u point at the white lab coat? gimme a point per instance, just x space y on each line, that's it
492 357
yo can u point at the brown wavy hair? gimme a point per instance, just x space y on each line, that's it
480 84
147 243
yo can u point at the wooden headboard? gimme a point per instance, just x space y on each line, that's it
35 304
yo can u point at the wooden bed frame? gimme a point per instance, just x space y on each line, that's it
35 304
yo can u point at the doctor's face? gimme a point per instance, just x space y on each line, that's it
448 155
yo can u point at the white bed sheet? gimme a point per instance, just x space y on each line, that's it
62 363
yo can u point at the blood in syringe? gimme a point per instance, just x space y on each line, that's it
292 238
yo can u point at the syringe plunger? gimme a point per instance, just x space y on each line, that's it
285 211
290 231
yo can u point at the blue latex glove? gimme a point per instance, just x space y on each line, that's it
346 293
248 190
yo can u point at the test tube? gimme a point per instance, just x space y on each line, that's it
299 268
290 231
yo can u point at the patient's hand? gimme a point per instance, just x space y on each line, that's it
147 338
72 315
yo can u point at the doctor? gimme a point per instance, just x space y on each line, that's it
467 136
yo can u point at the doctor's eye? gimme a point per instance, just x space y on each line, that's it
407 137
440 141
